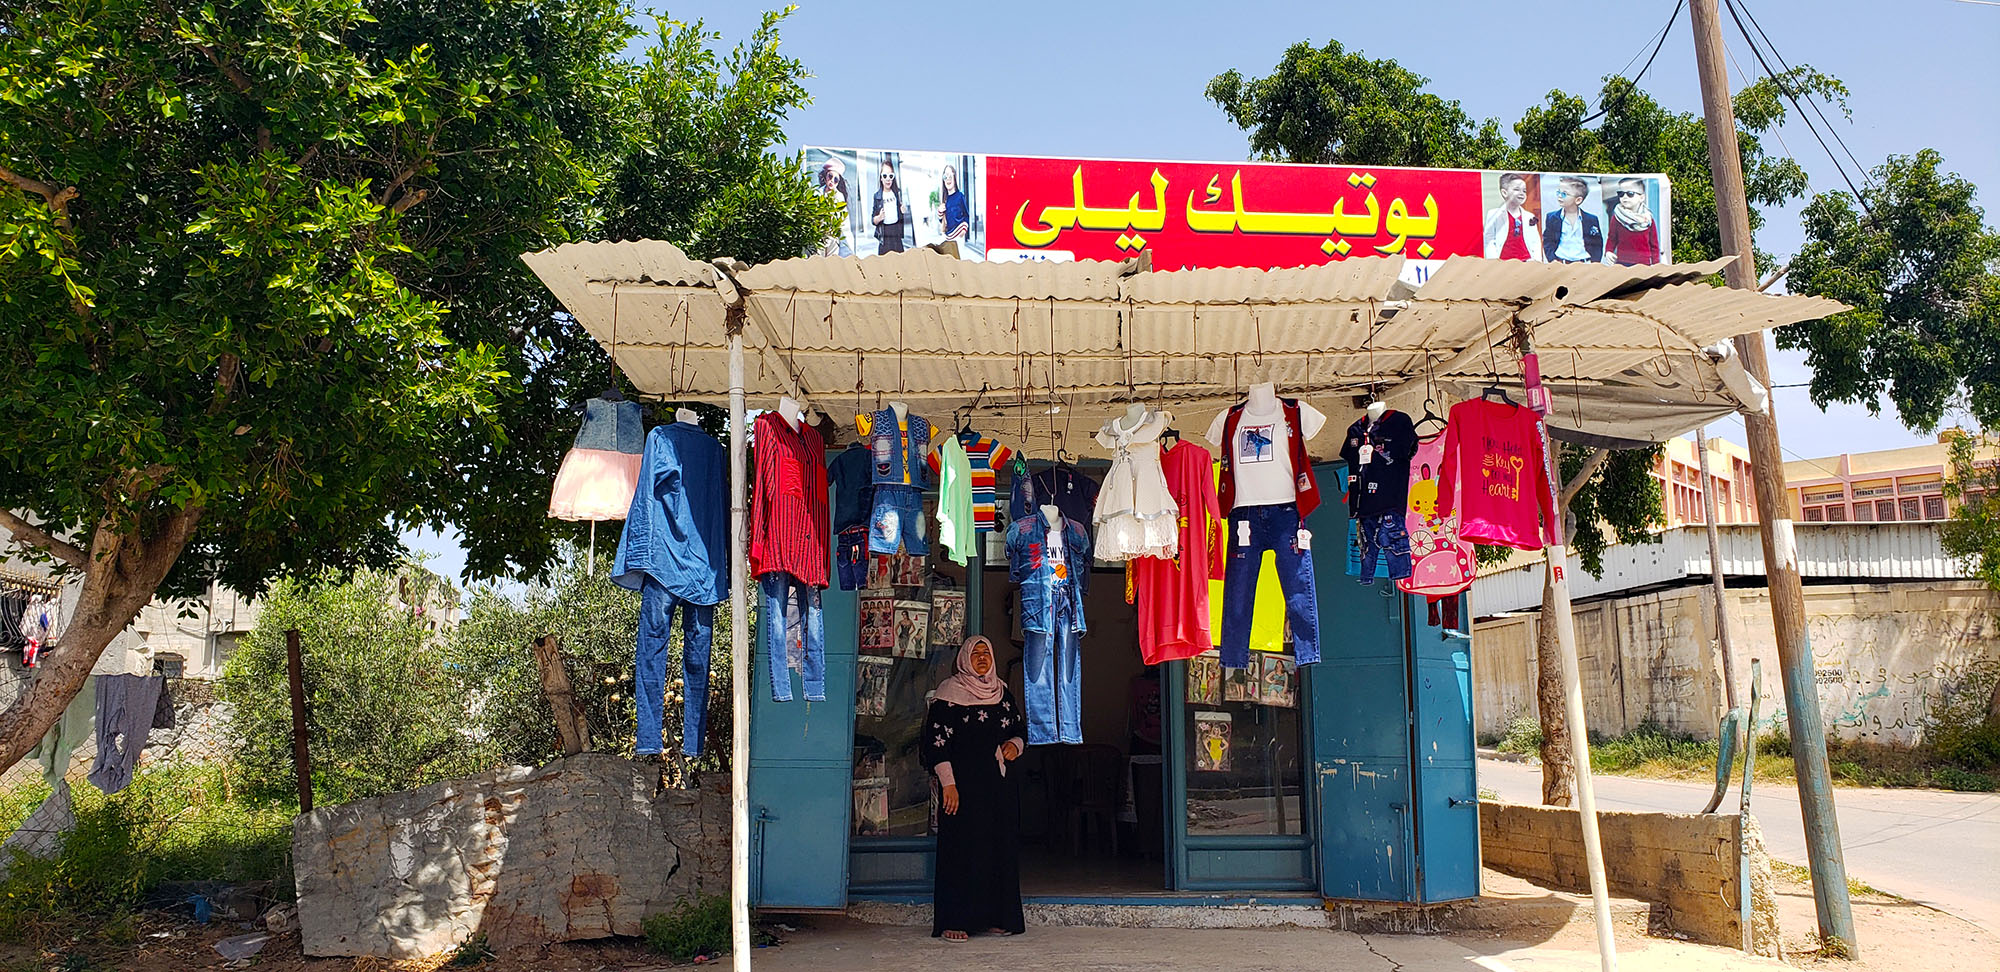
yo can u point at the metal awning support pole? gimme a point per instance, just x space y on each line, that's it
1715 573
1572 676
739 655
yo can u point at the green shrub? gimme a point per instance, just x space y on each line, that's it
698 926
386 711
1524 735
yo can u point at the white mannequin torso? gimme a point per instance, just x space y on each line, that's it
790 410
1376 410
686 415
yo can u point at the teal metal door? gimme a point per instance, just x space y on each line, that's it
801 767
1447 793
1361 721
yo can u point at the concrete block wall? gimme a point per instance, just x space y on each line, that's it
1685 864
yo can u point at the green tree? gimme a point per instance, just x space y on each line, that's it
1917 262
386 710
260 292
1973 532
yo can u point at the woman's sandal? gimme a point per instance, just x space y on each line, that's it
955 937
1001 932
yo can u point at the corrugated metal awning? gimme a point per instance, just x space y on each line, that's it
1055 348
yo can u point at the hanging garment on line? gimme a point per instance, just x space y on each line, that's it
788 510
1440 563
957 528
677 528
41 627
601 469
1496 474
1135 515
1172 594
1378 464
125 708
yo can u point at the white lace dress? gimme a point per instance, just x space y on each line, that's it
1136 515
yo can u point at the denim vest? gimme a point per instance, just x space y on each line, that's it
1029 567
898 458
611 427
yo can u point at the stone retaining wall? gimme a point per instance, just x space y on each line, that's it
585 847
1685 864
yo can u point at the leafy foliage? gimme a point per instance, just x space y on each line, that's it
1916 260
596 623
385 710
1622 496
1973 532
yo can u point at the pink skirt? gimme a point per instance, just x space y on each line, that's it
595 484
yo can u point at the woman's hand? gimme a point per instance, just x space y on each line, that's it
1010 750
951 799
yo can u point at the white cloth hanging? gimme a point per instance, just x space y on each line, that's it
1136 516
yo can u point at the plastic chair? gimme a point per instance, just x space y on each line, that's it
1095 770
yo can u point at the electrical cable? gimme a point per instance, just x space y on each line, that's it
1783 89
1809 95
1662 42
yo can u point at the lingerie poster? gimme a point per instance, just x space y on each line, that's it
1240 684
878 625
871 685
1204 679
1278 682
1211 741
911 635
947 618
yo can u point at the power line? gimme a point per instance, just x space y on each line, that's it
1657 45
1810 99
1786 91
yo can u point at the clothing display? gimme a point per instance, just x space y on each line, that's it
978 847
794 630
677 527
1440 562
1135 515
601 469
850 558
957 531
1052 570
13 605
1172 594
1635 236
853 484
1264 461
1378 456
1385 540
125 708
40 627
60 743
657 605
1495 474
986 455
1067 487
1253 530
1512 235
788 508
897 522
897 446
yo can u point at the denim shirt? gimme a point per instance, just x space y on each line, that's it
677 530
1029 568
898 456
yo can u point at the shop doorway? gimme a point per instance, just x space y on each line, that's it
1091 814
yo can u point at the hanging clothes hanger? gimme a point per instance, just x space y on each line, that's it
1490 391
1430 415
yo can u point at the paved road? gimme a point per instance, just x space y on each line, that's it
1942 849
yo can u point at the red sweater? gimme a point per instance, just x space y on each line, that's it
788 512
1495 475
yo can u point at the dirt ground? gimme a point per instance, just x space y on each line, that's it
1896 936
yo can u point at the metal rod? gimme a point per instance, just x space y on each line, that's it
1743 810
739 657
1722 644
1788 606
295 674
1557 556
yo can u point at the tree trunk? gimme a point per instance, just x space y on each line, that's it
1558 769
124 570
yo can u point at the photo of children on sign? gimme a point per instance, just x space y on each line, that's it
1233 214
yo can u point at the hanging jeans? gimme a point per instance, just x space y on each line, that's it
1253 530
794 636
1052 677
656 615
1385 540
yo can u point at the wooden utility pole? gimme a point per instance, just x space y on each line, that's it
295 675
1788 608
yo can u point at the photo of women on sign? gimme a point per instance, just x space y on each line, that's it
1571 233
1632 236
955 216
890 213
831 181
1513 229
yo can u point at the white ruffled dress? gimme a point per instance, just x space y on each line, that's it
1136 515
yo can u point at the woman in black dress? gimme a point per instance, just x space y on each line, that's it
972 732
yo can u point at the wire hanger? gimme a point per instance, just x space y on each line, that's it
611 392
1430 400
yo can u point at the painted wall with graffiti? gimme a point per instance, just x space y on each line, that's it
1884 656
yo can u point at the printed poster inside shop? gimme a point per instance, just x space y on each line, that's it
1223 214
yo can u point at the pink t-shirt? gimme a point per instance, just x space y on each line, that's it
1495 475
1441 564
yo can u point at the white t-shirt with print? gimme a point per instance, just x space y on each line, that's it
1261 456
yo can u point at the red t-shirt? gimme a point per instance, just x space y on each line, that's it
1495 475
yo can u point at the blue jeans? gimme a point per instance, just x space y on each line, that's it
656 614
897 520
1385 539
851 560
794 635
1274 528
1052 677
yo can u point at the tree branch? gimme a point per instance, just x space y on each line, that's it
34 536
1575 484
58 199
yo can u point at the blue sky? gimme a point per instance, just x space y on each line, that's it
1125 80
